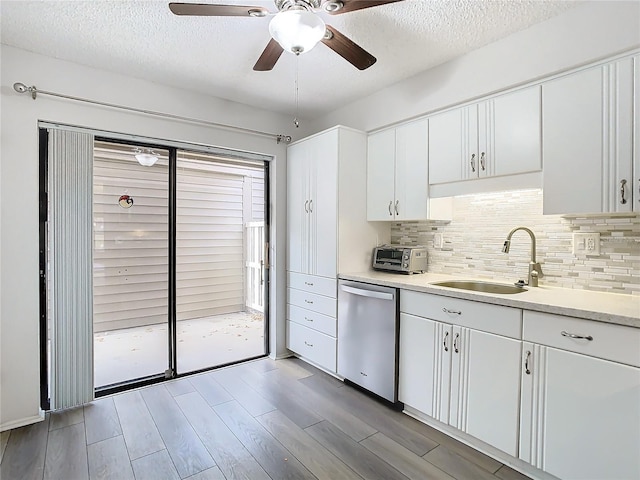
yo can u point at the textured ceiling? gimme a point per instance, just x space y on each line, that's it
216 55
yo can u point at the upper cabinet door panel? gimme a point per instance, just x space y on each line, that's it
445 147
380 175
411 171
297 205
572 131
517 133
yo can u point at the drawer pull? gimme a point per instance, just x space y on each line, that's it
308 319
308 283
455 343
364 374
308 344
308 301
446 337
526 363
454 312
573 335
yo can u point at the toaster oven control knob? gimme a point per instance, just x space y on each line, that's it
406 265
406 257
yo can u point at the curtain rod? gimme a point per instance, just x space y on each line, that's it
22 88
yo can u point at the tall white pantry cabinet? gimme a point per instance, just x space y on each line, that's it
328 233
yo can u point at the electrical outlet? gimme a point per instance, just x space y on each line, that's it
438 241
586 244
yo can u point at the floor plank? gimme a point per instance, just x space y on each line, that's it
404 460
185 448
108 460
101 420
140 432
456 466
374 414
4 439
361 460
67 454
282 399
263 365
323 405
246 396
295 367
25 453
179 386
506 473
210 390
277 461
233 459
66 417
154 467
318 460
209 474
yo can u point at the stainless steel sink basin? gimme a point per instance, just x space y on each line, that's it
486 287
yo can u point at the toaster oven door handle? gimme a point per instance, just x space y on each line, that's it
367 293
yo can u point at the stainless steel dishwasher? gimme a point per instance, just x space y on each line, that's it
368 322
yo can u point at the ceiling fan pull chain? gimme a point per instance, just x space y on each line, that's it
295 118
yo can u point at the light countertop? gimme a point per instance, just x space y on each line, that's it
600 306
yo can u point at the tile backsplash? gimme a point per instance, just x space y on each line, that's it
473 243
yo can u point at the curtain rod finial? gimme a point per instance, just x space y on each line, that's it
22 88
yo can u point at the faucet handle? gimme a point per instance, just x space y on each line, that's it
520 283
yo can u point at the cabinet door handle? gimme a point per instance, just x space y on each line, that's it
310 206
574 335
473 162
623 184
397 202
306 206
444 343
364 374
526 363
308 301
308 344
390 205
453 312
482 162
309 283
455 343
308 319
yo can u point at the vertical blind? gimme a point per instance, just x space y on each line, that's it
70 284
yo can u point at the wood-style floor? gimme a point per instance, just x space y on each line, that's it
260 420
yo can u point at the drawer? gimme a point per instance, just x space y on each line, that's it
611 342
311 301
506 321
312 345
311 319
313 284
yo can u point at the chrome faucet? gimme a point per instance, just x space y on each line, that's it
535 270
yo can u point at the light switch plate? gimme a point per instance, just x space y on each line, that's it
438 241
586 244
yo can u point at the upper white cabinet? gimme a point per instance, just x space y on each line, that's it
397 173
577 398
590 164
498 136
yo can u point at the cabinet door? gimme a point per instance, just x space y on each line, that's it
580 415
445 147
323 207
485 387
411 154
516 133
634 186
381 175
587 124
297 207
425 363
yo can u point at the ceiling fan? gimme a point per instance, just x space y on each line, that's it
296 27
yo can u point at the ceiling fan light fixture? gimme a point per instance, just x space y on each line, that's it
146 159
333 6
297 31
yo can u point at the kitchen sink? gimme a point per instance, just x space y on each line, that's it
486 287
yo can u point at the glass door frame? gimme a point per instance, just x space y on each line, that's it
171 370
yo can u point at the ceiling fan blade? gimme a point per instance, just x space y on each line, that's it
347 49
344 6
208 10
269 57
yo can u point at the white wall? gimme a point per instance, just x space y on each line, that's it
19 310
592 31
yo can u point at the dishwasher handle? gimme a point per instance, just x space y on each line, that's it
366 293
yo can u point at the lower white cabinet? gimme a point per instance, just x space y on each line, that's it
580 415
461 376
312 345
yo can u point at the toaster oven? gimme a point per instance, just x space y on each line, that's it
401 259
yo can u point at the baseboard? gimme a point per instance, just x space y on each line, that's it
22 422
